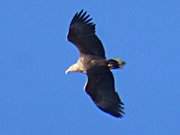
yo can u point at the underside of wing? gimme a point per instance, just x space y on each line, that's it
101 89
82 34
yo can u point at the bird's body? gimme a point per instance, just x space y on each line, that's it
86 62
93 62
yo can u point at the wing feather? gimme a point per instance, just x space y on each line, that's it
82 34
101 89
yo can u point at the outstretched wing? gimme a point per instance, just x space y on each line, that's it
100 87
82 34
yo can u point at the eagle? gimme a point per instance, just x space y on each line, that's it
92 62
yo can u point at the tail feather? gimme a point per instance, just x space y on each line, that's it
115 63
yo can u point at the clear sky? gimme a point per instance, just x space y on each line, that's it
37 98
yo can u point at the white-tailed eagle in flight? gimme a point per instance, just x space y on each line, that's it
92 61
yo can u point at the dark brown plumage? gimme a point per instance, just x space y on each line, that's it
100 86
82 34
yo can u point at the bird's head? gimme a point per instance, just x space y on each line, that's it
69 70
73 68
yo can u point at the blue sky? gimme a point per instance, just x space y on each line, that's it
36 97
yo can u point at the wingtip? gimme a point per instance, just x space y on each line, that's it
82 17
119 113
81 11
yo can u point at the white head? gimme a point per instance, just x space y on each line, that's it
73 68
